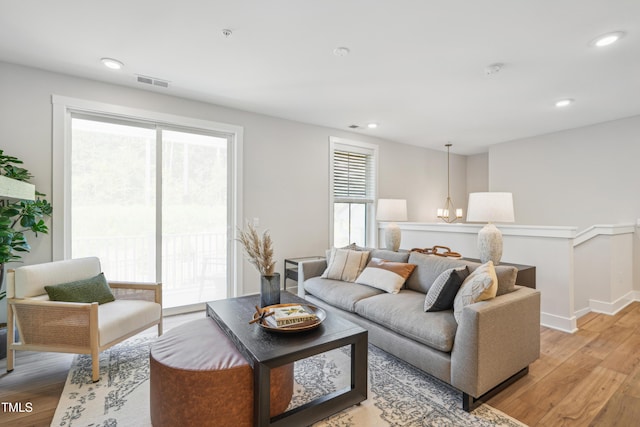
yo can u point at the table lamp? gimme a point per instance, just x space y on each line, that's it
490 207
392 210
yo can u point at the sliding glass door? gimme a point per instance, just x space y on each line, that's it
194 217
152 203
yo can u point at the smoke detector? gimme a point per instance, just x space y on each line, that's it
493 69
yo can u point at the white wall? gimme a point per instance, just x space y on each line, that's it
579 177
478 173
420 176
285 163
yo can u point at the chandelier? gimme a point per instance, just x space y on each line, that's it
447 212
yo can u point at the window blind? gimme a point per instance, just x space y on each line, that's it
353 175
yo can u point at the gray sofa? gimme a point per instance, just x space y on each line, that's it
493 344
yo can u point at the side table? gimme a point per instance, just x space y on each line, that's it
291 267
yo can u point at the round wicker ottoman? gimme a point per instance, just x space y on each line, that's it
198 378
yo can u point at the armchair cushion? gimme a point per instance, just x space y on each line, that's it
94 289
121 317
30 280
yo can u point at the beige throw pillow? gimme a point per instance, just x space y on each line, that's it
481 285
388 276
345 264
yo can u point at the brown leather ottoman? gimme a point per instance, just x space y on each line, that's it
198 378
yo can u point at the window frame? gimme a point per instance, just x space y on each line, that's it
342 144
63 110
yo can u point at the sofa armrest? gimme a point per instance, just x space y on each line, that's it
496 339
307 270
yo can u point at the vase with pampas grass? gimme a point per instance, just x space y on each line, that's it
259 250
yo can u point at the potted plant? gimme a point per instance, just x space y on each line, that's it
260 253
17 217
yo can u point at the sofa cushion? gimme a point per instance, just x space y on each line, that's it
93 289
388 255
404 314
345 264
428 268
445 287
340 294
481 285
385 275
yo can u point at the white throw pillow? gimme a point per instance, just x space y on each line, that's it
388 276
481 285
345 264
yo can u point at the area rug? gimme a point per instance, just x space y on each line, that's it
399 394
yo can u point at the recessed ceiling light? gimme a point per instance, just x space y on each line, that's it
341 51
372 125
607 39
564 102
114 64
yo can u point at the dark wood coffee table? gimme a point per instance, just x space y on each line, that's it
265 350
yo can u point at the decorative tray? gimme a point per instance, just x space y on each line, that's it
296 327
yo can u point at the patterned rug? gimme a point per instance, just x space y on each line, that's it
399 394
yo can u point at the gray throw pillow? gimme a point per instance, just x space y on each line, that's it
444 289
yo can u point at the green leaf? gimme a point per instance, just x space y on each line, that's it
27 221
40 227
10 211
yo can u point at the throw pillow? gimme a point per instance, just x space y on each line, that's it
345 264
481 285
444 289
385 275
94 289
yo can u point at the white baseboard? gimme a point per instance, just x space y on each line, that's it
564 324
582 312
614 307
171 311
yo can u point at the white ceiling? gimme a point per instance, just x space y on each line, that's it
416 67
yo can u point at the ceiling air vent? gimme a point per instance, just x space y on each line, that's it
354 126
153 81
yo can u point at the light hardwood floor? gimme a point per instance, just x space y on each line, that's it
590 378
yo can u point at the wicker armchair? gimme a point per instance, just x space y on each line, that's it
83 328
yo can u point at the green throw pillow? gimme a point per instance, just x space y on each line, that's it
94 289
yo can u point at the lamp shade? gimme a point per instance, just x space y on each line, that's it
391 210
490 207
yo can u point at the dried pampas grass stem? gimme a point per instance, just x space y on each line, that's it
258 249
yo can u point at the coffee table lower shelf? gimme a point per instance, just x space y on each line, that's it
266 350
